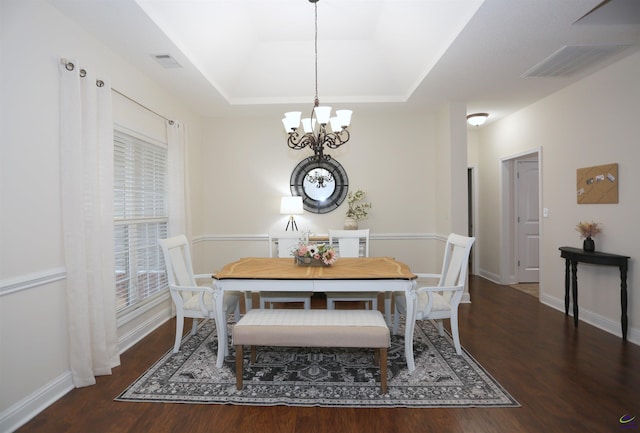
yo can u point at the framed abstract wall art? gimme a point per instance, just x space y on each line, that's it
597 184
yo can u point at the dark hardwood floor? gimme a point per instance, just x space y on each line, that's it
566 379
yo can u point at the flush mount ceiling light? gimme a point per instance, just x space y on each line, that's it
315 127
477 119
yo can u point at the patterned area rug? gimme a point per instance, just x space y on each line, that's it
321 377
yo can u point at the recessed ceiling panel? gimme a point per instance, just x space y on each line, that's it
240 57
259 52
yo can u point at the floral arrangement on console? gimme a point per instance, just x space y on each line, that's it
357 211
588 229
306 253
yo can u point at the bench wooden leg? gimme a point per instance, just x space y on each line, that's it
239 368
383 369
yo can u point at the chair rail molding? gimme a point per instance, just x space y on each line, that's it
28 281
265 237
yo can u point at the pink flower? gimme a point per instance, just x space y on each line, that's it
321 252
329 257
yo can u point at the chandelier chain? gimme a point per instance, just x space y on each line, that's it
316 101
316 137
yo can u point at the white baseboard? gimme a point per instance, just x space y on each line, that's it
127 340
588 316
24 410
494 278
21 412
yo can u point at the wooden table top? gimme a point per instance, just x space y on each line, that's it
364 268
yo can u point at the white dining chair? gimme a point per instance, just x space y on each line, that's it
190 299
286 241
441 301
348 245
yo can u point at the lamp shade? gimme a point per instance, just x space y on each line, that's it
335 124
477 119
291 121
291 205
322 114
344 116
308 124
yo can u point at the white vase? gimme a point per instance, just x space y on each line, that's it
350 223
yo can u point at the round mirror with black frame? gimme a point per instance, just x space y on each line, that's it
323 185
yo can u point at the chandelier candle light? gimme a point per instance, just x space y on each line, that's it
316 136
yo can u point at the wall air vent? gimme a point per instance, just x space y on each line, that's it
570 60
166 61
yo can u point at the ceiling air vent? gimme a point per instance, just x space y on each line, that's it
569 60
166 61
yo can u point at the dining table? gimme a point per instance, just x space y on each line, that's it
365 274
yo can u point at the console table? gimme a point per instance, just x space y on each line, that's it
575 255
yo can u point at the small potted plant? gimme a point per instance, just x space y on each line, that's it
587 230
356 212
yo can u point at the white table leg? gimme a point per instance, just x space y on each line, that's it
248 300
409 325
221 326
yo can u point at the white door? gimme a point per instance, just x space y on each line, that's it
528 221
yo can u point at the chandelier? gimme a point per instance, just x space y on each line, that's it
320 178
316 136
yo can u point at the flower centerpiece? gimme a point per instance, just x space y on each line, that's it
315 254
356 212
587 230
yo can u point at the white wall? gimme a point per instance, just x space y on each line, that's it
247 167
451 170
592 122
33 335
251 157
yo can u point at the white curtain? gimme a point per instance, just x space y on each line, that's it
86 162
179 204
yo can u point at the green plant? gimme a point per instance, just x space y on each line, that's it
357 211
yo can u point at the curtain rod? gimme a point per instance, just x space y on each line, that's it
171 122
70 67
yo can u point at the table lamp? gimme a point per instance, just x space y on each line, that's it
291 206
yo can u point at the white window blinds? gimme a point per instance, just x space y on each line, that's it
140 218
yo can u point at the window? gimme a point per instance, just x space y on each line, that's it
140 218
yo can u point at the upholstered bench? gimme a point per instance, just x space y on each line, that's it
312 328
